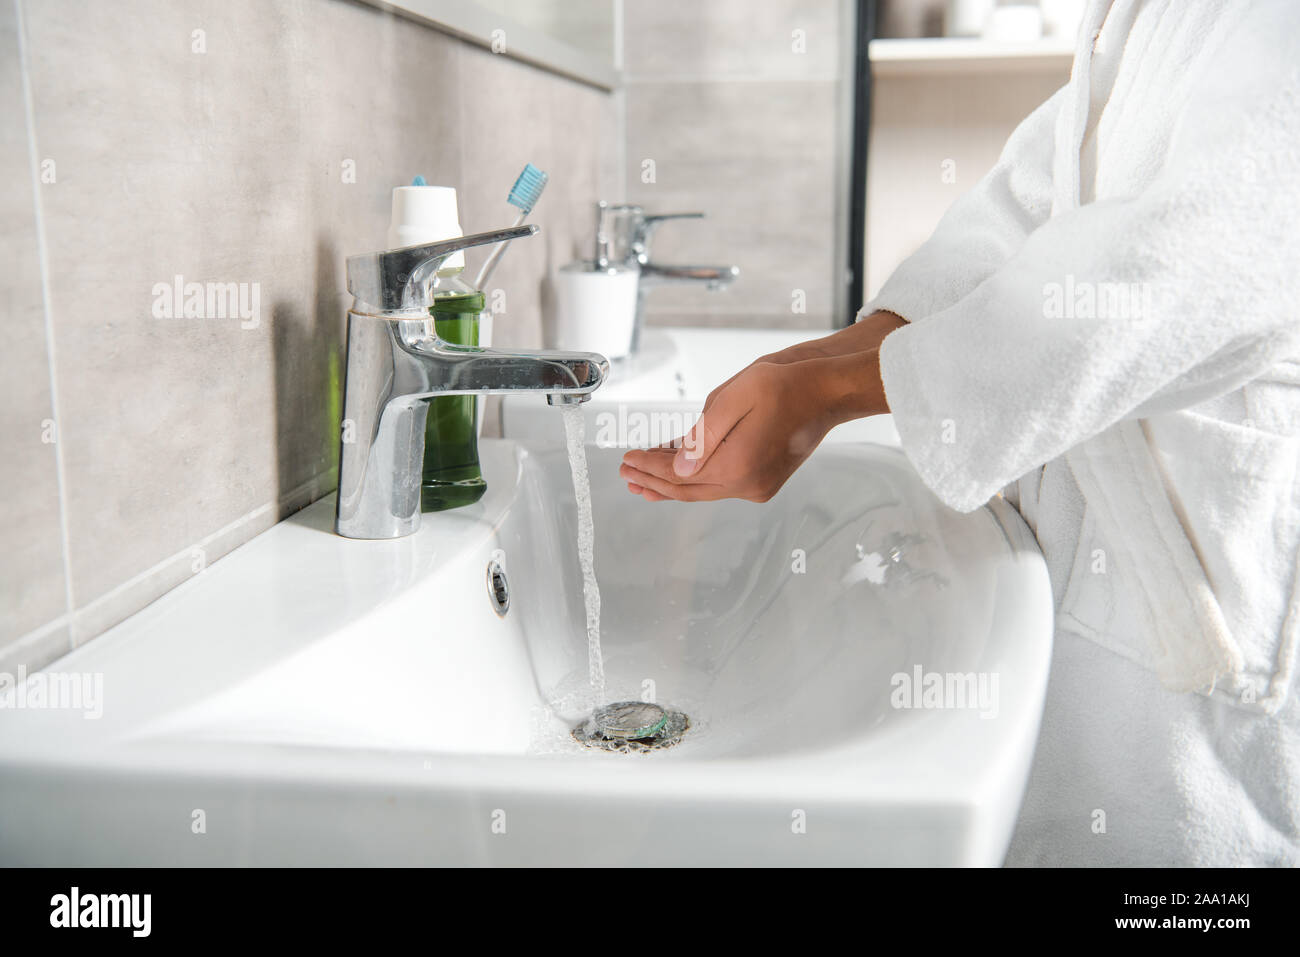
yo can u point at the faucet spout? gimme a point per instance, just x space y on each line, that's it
711 277
563 398
470 370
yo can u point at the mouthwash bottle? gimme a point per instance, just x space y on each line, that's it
451 476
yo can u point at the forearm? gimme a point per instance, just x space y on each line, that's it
848 386
862 336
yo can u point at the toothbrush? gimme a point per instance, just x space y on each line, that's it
523 196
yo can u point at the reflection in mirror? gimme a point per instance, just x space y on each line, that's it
575 38
587 25
747 118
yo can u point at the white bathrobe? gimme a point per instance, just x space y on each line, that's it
1108 325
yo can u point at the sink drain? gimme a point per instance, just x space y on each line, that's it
632 726
498 588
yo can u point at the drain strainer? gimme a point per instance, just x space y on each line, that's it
498 588
629 726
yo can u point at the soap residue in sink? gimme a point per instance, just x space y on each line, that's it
575 433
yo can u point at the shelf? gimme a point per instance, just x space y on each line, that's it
943 55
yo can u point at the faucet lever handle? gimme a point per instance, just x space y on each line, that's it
654 219
649 223
392 279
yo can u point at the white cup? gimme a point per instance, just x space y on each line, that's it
1018 23
966 18
1061 17
593 310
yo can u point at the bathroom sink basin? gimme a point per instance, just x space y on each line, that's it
315 700
655 395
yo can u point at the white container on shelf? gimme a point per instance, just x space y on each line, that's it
1061 18
966 18
594 310
1014 23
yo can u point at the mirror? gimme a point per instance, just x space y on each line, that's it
586 25
747 119
576 38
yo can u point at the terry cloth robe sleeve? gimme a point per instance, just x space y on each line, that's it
983 228
1052 348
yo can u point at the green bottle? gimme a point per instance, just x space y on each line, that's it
451 476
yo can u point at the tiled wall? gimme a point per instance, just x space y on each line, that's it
737 105
241 141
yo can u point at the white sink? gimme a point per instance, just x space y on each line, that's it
662 388
315 700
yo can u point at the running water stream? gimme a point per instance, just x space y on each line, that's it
575 434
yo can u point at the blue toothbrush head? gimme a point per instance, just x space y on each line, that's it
419 181
527 189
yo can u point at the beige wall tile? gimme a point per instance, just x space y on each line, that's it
758 159
732 38
738 108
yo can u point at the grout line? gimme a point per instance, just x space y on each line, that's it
462 81
24 67
620 143
620 29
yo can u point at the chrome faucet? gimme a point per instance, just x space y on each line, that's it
396 363
623 234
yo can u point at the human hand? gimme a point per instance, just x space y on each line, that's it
757 428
